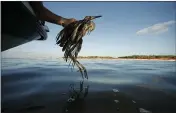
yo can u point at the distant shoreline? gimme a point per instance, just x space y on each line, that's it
134 57
128 59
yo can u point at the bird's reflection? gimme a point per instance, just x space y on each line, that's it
76 101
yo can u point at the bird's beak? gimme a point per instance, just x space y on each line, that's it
94 17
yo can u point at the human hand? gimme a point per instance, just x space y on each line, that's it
68 21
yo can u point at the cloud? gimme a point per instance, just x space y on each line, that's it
156 28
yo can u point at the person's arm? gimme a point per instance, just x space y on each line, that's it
46 15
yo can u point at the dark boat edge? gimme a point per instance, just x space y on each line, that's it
20 25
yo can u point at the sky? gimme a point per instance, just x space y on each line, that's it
125 28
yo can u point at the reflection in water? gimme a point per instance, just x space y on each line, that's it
144 111
134 101
75 102
115 90
116 101
131 103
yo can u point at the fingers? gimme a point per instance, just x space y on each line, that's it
68 21
73 20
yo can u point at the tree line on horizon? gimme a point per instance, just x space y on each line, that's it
150 56
134 57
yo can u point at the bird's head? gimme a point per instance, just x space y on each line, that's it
91 17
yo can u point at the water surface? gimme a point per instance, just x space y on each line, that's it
42 85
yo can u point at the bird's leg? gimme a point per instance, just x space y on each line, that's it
80 70
77 63
83 68
69 63
86 91
81 86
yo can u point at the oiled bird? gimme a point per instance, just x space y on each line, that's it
70 39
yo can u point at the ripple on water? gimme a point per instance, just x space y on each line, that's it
116 101
134 101
142 110
115 90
